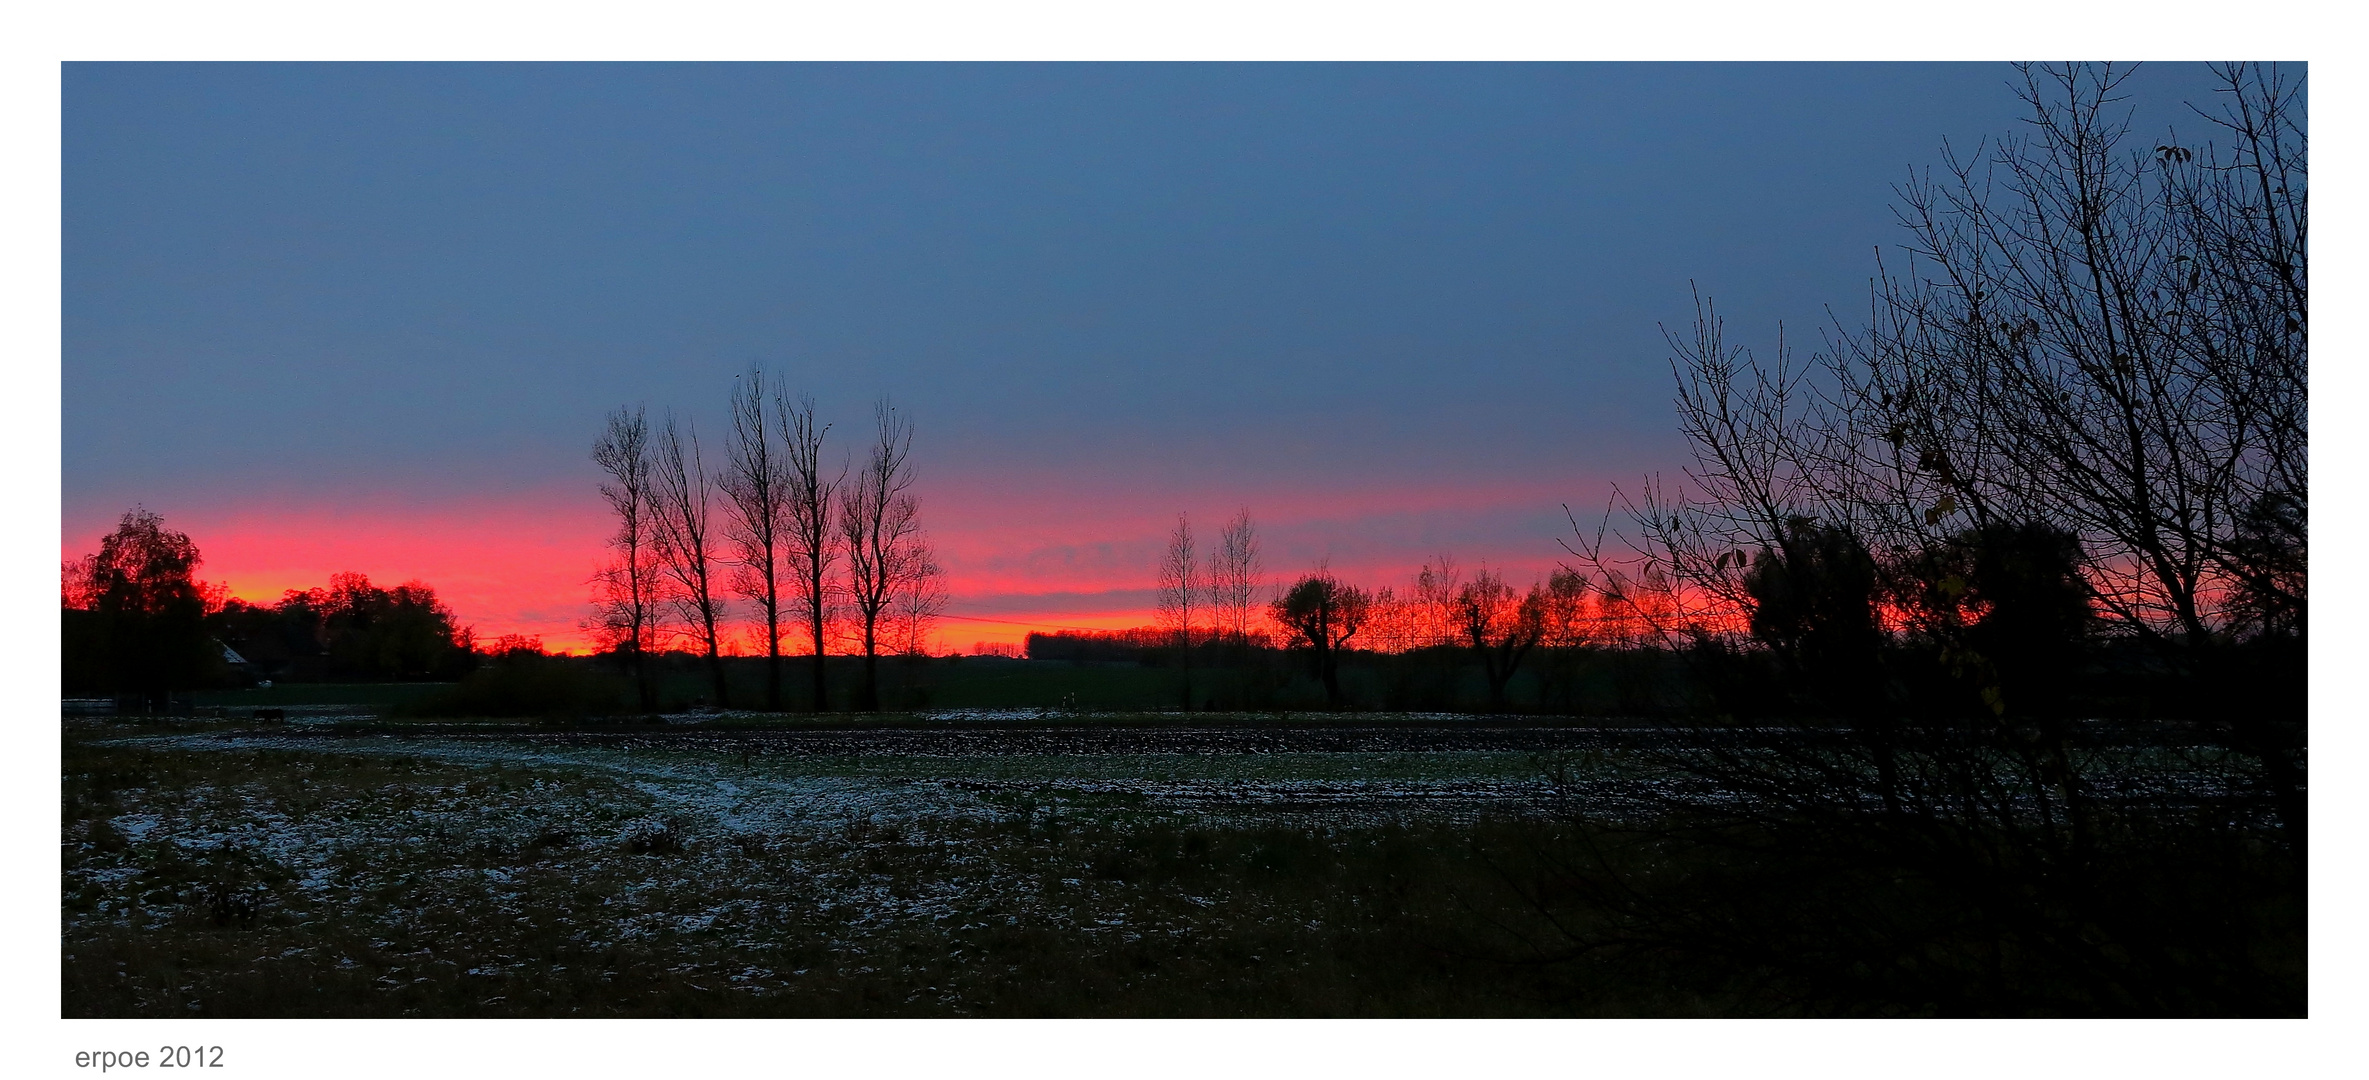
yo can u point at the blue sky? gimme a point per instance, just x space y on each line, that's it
1395 309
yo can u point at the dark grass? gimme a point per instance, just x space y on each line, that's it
981 682
1097 910
415 887
580 687
285 694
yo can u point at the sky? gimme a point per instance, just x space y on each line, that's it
369 318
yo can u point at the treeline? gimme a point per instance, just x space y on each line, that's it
2071 436
1142 644
352 631
1978 643
139 624
2059 476
824 559
1443 640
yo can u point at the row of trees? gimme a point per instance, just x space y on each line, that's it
1217 593
2075 421
352 629
140 623
832 556
1498 624
2068 449
1220 598
2078 414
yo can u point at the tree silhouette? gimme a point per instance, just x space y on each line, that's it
1432 618
686 535
758 485
1321 613
2111 339
375 633
920 598
1814 599
2007 605
625 606
2067 451
1500 625
1181 593
148 608
1234 578
879 522
813 536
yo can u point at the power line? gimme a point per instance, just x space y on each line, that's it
1040 626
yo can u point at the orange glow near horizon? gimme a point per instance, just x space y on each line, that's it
1020 555
526 570
513 568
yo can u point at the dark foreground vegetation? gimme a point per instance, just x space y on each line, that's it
1118 865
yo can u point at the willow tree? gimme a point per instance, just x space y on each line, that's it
1321 613
1500 625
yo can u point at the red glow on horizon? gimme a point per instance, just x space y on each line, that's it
504 569
1022 554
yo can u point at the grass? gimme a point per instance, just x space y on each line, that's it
995 683
965 682
285 694
249 882
784 867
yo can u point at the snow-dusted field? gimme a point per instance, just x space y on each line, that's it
525 871
819 781
957 863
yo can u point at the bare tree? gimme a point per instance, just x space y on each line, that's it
920 598
1432 616
1234 578
1390 624
1500 625
758 484
1565 627
626 604
1771 453
687 544
812 539
2081 404
1567 624
2111 338
2105 338
878 521
1181 594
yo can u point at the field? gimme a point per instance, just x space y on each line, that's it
1269 683
349 861
948 864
